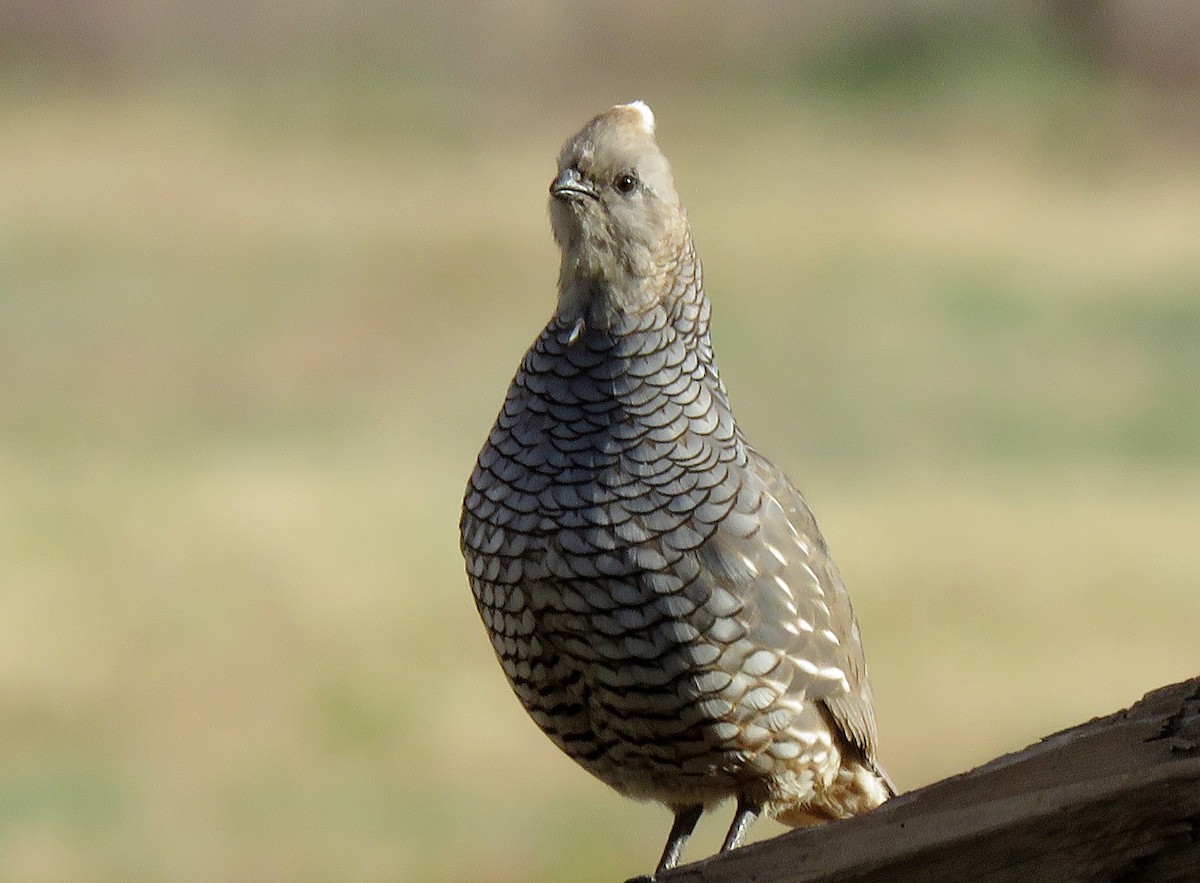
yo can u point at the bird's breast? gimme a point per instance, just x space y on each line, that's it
610 456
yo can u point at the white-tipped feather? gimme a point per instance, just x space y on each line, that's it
647 114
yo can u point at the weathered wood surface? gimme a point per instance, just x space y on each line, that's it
1115 799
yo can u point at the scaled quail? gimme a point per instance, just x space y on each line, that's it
656 590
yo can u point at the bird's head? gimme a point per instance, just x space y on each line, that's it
614 211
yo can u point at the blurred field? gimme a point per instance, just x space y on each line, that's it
253 332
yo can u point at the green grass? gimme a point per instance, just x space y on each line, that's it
248 359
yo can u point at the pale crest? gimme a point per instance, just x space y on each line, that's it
647 114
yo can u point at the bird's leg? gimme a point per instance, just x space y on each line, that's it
685 822
743 818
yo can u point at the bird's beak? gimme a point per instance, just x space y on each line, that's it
571 185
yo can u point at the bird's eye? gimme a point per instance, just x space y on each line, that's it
625 182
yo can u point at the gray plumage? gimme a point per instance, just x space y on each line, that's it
657 592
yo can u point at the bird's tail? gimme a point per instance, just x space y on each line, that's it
879 771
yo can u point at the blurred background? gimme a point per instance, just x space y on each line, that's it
267 267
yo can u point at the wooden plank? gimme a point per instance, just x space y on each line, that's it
1117 798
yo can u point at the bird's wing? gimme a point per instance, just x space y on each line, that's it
771 555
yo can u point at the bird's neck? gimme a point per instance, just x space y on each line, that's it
608 294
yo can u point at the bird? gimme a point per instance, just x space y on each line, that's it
657 592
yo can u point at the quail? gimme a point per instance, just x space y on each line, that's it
657 592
